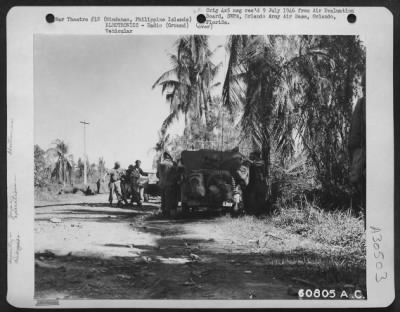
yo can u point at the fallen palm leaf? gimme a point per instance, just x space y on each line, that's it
194 256
41 264
146 259
55 220
189 283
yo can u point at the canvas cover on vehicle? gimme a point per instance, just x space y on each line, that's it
211 159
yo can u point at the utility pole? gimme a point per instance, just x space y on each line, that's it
84 151
222 130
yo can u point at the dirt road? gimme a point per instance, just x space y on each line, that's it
86 249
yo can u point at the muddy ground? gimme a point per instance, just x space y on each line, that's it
86 249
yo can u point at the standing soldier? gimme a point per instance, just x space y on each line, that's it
115 184
137 188
127 185
357 151
98 184
167 173
256 191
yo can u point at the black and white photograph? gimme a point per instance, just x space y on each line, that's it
201 167
200 157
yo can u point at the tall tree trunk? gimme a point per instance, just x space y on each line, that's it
265 154
267 106
64 176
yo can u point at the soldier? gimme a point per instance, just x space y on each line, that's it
98 184
167 173
115 184
89 191
137 188
126 184
256 190
357 144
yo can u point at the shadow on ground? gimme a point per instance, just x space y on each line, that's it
177 263
178 267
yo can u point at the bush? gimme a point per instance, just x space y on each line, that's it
47 192
298 178
292 180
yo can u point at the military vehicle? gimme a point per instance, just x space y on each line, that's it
151 187
208 179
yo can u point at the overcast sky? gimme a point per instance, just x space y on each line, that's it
105 80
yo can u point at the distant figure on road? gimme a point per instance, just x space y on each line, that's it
137 188
115 184
89 191
98 184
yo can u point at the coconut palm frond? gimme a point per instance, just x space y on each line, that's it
170 75
52 153
231 93
169 120
168 85
188 84
214 85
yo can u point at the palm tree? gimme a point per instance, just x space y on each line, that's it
189 83
102 167
296 90
302 89
250 83
161 146
63 167
40 165
80 167
92 170
163 141
261 78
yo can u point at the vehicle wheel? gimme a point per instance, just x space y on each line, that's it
185 210
163 207
241 207
237 209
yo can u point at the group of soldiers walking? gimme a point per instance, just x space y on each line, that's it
125 184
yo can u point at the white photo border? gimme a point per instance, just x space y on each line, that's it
374 26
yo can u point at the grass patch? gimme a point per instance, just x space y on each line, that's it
327 247
336 228
47 192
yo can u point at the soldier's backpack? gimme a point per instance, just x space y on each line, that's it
196 182
135 174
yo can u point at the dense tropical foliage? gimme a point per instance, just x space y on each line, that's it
289 97
56 166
